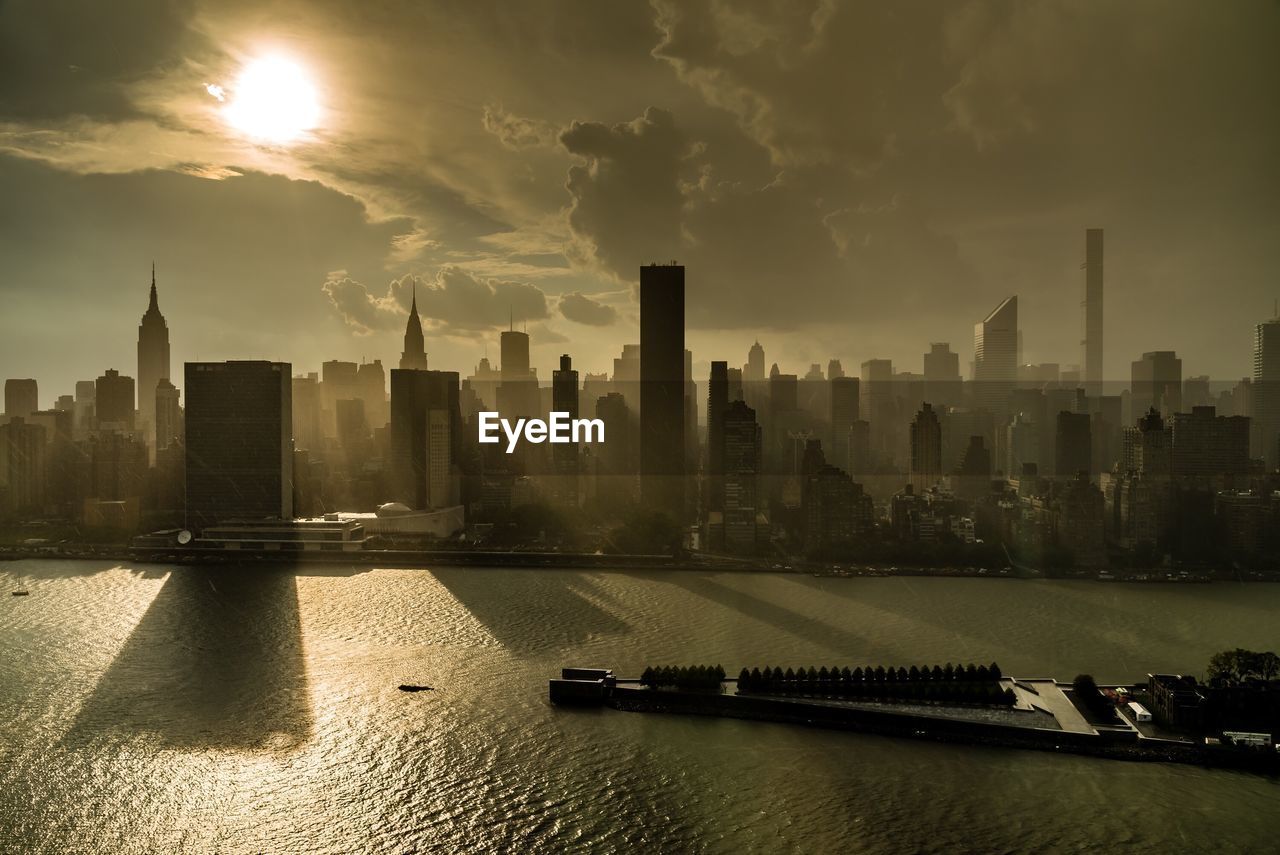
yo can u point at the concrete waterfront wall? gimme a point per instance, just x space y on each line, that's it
889 723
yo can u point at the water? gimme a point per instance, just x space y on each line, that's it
147 709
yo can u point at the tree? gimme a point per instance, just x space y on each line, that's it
994 670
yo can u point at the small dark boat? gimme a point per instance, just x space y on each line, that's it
408 687
22 593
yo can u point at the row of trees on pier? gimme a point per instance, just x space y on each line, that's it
975 684
683 676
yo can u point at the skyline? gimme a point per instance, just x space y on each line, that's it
744 144
556 348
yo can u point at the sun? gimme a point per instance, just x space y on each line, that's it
273 100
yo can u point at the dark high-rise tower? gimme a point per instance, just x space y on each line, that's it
21 397
153 361
115 400
565 456
1156 381
1265 404
518 395
717 402
926 448
662 388
741 456
1091 307
239 441
415 346
425 420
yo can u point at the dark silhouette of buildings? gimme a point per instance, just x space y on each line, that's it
168 415
566 456
113 401
425 416
153 363
21 397
943 385
1157 382
662 389
717 403
518 390
1091 311
741 455
844 412
22 466
926 448
239 441
1073 445
617 458
1265 403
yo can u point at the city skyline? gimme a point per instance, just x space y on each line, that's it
526 188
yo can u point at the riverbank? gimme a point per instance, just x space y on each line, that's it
1050 721
580 560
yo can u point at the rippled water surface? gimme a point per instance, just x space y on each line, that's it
147 709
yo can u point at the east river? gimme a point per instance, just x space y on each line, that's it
177 709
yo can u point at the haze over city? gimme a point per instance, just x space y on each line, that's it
710 426
842 181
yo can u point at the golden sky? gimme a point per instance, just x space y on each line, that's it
849 180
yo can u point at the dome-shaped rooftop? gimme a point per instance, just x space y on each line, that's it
393 509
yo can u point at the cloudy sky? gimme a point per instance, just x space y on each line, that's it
841 180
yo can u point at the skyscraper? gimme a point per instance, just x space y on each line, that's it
1157 382
153 362
414 355
662 388
114 401
926 448
741 477
565 456
239 441
844 412
995 357
518 389
1073 445
168 428
425 416
1091 310
21 397
717 403
942 382
1265 400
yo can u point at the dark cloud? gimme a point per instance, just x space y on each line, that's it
869 176
454 302
581 309
626 196
77 57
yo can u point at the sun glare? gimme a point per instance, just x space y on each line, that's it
273 100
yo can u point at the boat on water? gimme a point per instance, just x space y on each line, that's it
409 687
22 593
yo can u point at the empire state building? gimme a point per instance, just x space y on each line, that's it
153 360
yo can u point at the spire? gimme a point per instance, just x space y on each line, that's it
414 354
155 304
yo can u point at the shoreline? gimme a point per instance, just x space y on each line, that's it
577 560
1122 742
